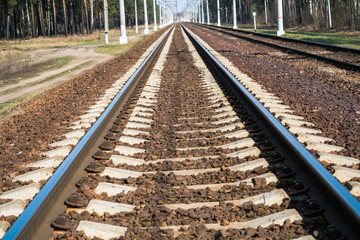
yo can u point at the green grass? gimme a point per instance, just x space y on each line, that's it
17 68
340 38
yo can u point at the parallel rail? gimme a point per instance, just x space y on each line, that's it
338 63
341 207
311 43
33 216
344 208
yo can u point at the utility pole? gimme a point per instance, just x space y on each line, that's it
329 13
218 13
207 11
106 25
280 30
234 14
266 19
254 14
136 19
155 24
146 30
123 37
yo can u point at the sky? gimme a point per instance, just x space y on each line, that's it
181 4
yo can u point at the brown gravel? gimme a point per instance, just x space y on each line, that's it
199 231
329 100
187 164
181 93
286 231
155 215
323 51
47 116
159 189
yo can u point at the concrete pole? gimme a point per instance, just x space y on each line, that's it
266 20
155 24
106 25
123 37
254 14
280 30
136 19
218 13
329 13
207 11
234 14
146 30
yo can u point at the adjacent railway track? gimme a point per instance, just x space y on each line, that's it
182 150
342 57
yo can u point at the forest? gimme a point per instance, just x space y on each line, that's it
34 18
316 14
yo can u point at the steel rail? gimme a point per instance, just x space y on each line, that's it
338 63
347 206
312 43
37 203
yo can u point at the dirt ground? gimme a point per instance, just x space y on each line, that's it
84 58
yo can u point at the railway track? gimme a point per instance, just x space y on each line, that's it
183 151
342 57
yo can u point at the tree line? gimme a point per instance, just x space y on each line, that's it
33 18
319 14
